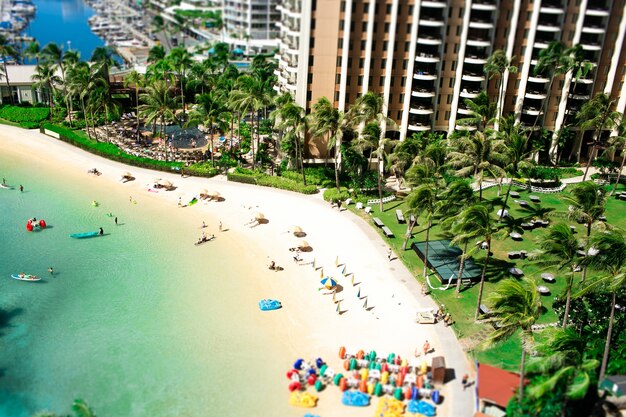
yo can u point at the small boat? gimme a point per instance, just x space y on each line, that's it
84 235
25 277
6 187
355 399
269 304
302 399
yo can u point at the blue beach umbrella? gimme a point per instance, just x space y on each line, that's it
238 51
328 282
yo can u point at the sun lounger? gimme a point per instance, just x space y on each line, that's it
359 206
378 222
387 231
368 209
348 201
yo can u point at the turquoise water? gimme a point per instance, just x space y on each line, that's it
65 23
138 322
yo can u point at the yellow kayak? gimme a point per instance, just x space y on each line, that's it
302 399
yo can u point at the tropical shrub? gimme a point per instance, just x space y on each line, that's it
201 169
26 117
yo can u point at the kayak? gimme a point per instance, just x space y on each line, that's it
268 304
25 277
84 235
193 201
6 187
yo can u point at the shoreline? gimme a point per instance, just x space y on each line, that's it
392 291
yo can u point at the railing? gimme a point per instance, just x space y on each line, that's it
385 200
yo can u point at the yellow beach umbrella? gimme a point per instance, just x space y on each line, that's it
259 216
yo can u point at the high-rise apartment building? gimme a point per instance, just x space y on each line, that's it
426 57
251 25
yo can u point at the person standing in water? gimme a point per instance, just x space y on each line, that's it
116 221
101 232
51 271
21 188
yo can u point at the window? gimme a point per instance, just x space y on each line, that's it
402 82
386 27
385 46
453 68
525 33
312 24
352 27
405 64
341 25
383 62
375 27
308 95
411 10
336 96
449 99
516 84
401 98
340 43
407 46
447 30
363 45
364 27
310 78
461 11
366 7
399 114
312 42
360 80
447 115
351 45
348 79
373 45
311 61
554 115
338 61
349 62
361 62
337 78
391 80
456 48
458 30
381 81
388 9
450 83
370 80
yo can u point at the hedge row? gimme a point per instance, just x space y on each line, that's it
270 181
26 117
110 151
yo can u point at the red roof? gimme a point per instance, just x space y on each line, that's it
496 385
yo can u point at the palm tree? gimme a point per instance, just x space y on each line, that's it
515 305
598 115
45 80
80 82
517 151
208 112
327 120
610 259
159 105
618 143
156 53
32 51
499 64
180 61
482 112
6 51
559 248
587 204
456 196
422 201
562 358
476 154
104 57
139 81
476 221
53 54
294 123
369 108
553 61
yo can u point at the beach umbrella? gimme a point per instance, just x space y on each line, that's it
214 194
164 183
328 282
259 216
204 192
303 244
127 175
296 229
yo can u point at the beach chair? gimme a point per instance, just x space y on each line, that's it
348 201
359 205
368 209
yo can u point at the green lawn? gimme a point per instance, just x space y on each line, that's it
462 306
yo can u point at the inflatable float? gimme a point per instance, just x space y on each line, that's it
421 407
25 277
32 225
302 399
269 304
355 399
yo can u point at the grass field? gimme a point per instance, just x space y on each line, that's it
462 306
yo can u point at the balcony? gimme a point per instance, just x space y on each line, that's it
474 59
464 110
419 126
421 75
551 10
421 110
464 127
535 95
540 45
475 77
538 79
593 29
431 22
479 42
592 47
549 27
480 24
484 5
532 111
435 4
583 80
595 11
428 40
423 93
465 93
422 57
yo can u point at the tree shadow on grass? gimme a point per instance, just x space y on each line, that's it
498 269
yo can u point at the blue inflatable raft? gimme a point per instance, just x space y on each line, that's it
422 407
268 304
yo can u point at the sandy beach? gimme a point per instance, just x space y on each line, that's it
344 247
